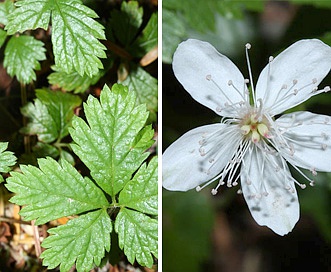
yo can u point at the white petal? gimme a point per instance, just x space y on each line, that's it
195 62
304 63
279 210
309 136
183 165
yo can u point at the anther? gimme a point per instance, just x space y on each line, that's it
284 86
198 188
327 89
248 46
271 58
218 109
214 192
246 80
303 186
202 152
230 82
295 81
313 172
208 77
314 80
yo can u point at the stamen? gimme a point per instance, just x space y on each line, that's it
214 191
248 46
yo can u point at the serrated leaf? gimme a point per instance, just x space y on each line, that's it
137 235
50 115
75 33
147 39
7 159
22 56
126 22
82 240
6 8
29 14
53 190
72 81
140 193
3 36
145 87
113 142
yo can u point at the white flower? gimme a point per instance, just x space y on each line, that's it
250 139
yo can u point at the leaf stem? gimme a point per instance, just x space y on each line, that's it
24 101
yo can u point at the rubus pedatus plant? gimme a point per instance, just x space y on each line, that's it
99 169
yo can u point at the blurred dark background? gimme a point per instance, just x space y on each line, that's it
202 232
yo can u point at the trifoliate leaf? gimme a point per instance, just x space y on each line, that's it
145 87
137 235
7 159
75 33
53 190
126 22
6 8
50 115
113 142
140 193
82 240
72 81
148 38
22 56
3 36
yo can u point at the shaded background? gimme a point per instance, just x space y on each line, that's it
202 232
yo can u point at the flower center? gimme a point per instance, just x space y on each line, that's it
254 126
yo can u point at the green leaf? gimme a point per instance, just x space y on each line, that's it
50 115
22 56
113 142
53 190
7 159
30 14
6 8
140 193
148 38
82 240
72 81
75 33
188 221
3 36
317 3
137 235
173 32
126 22
42 150
145 87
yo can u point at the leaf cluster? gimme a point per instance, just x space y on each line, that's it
119 194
